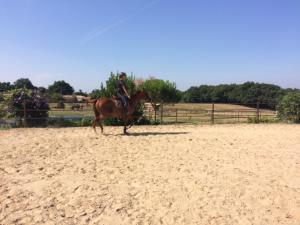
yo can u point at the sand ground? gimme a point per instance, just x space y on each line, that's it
222 174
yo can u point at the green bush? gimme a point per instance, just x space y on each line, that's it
85 122
113 122
262 119
267 119
62 122
161 90
27 101
289 107
3 112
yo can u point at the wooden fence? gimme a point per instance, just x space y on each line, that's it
210 113
165 113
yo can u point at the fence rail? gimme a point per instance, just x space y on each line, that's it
167 113
217 113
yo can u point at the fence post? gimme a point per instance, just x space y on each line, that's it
213 113
257 112
161 112
176 114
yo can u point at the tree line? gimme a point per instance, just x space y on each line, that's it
249 93
60 87
166 91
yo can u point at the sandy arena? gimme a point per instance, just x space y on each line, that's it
222 174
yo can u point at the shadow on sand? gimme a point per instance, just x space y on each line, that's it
152 133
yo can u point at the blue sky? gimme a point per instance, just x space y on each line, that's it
190 42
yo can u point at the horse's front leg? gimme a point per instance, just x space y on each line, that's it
131 123
125 126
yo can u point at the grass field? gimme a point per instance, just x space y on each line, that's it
87 110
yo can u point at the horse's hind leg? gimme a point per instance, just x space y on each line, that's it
95 123
100 124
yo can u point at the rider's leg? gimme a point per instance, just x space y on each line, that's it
124 102
122 98
125 105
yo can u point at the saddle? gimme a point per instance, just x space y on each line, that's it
118 102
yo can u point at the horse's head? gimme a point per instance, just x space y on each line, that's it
140 94
144 94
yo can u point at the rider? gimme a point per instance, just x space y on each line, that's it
122 91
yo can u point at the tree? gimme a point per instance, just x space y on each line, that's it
289 107
161 90
80 92
199 94
23 83
248 93
2 107
61 87
98 93
42 90
110 88
5 86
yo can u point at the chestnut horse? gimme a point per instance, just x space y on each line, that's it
108 107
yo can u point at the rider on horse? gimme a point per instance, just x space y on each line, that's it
122 91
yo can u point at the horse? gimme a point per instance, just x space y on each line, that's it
110 107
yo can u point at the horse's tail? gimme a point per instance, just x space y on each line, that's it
94 106
90 100
95 109
93 101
